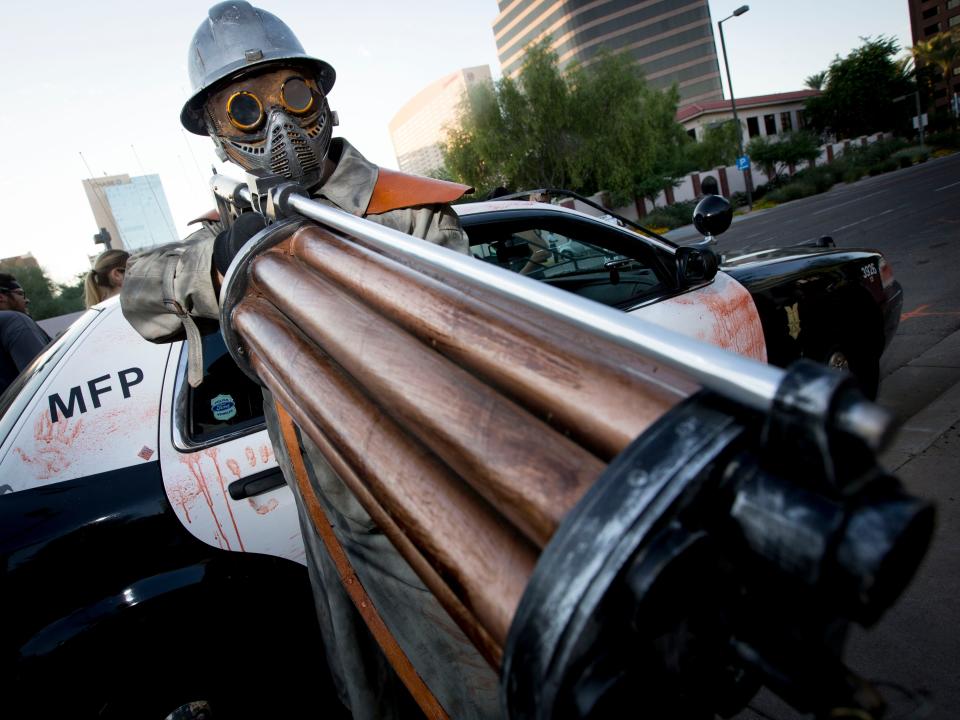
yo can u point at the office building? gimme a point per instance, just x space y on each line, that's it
14 262
929 18
133 210
671 40
419 128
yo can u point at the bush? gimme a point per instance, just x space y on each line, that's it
822 177
882 167
793 191
671 216
949 140
873 154
905 161
851 175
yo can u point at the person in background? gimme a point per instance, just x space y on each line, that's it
21 339
106 277
539 246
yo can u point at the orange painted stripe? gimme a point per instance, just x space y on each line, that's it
318 518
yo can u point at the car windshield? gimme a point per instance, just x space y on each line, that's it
583 258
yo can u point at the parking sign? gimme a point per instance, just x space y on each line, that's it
743 162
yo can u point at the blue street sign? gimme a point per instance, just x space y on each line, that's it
743 162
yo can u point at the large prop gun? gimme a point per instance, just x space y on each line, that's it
615 514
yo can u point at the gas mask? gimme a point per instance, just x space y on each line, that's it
278 121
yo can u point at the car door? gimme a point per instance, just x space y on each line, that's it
219 469
619 268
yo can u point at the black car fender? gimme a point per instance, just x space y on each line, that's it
101 587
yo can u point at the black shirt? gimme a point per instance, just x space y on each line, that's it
21 340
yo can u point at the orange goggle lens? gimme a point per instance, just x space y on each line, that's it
245 110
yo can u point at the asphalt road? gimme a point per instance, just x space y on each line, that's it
913 217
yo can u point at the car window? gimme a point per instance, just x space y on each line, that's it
226 403
582 258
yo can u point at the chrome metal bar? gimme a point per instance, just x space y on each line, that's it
741 379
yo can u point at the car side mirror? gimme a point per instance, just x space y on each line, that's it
712 215
696 264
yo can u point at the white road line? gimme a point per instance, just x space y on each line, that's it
872 217
857 199
947 186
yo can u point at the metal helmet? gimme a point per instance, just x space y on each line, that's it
237 36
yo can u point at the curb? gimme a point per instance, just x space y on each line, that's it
918 433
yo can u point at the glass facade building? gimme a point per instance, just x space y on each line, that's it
671 40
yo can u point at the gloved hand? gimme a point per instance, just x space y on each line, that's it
228 243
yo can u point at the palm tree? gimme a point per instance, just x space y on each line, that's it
943 52
816 81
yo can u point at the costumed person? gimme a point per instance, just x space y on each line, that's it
105 277
263 102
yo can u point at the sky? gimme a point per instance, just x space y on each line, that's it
96 88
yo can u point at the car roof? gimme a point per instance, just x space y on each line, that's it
493 206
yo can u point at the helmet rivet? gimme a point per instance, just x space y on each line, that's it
253 55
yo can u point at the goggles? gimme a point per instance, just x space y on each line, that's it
244 104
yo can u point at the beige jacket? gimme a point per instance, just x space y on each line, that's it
167 288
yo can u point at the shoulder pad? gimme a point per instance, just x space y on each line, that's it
209 216
395 190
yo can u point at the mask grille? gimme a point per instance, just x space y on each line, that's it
279 162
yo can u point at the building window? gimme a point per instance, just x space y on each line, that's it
954 21
692 132
770 124
927 14
753 126
952 4
801 123
931 29
786 122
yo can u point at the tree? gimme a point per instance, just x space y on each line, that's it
776 156
717 148
816 81
941 51
598 127
858 93
47 298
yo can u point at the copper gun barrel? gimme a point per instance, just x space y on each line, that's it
401 484
466 431
596 391
530 472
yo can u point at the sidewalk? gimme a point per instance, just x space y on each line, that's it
915 648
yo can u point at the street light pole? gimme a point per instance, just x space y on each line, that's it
747 175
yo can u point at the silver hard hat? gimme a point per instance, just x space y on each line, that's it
237 36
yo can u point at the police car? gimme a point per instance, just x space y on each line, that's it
152 552
152 555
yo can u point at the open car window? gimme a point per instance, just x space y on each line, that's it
225 405
587 259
